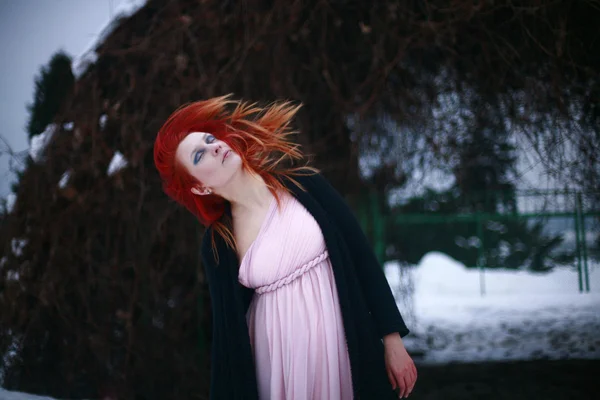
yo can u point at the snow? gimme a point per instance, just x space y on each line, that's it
6 395
102 121
12 276
39 142
10 202
522 316
64 180
81 63
128 7
117 163
17 246
123 9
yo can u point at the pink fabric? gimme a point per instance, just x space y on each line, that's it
294 319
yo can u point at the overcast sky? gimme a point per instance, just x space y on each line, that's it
30 32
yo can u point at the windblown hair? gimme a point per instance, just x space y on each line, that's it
261 137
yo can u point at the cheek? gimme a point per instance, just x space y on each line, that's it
205 172
234 162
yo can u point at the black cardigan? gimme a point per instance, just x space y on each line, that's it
368 308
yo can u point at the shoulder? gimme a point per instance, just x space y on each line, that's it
320 188
310 182
317 194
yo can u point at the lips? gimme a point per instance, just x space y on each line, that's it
225 155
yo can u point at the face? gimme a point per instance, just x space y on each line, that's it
209 160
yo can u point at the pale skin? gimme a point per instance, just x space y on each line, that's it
212 162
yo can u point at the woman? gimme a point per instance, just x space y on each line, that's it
301 308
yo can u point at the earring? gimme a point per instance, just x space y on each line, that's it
201 191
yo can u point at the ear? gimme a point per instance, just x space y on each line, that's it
201 191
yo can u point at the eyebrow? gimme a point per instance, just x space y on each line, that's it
196 148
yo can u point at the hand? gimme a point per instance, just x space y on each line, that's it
400 367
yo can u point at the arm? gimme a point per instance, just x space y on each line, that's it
376 289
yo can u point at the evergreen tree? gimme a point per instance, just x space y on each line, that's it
486 162
483 184
52 86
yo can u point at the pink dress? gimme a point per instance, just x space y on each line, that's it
295 323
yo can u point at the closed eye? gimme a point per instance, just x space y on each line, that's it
208 138
198 156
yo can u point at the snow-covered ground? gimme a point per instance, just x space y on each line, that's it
6 395
521 316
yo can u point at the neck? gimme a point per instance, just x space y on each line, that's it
246 192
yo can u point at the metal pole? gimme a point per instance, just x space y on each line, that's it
480 256
586 274
378 234
578 246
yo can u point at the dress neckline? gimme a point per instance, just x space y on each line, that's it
261 230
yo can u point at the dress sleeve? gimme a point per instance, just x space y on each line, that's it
376 289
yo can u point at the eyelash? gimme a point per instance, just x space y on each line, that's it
196 159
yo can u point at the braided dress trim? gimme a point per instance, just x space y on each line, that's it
293 276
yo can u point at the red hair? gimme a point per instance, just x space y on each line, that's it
261 137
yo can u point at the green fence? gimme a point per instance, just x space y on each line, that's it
543 207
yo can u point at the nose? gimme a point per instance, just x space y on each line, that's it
215 148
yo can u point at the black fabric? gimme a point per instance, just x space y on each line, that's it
368 307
